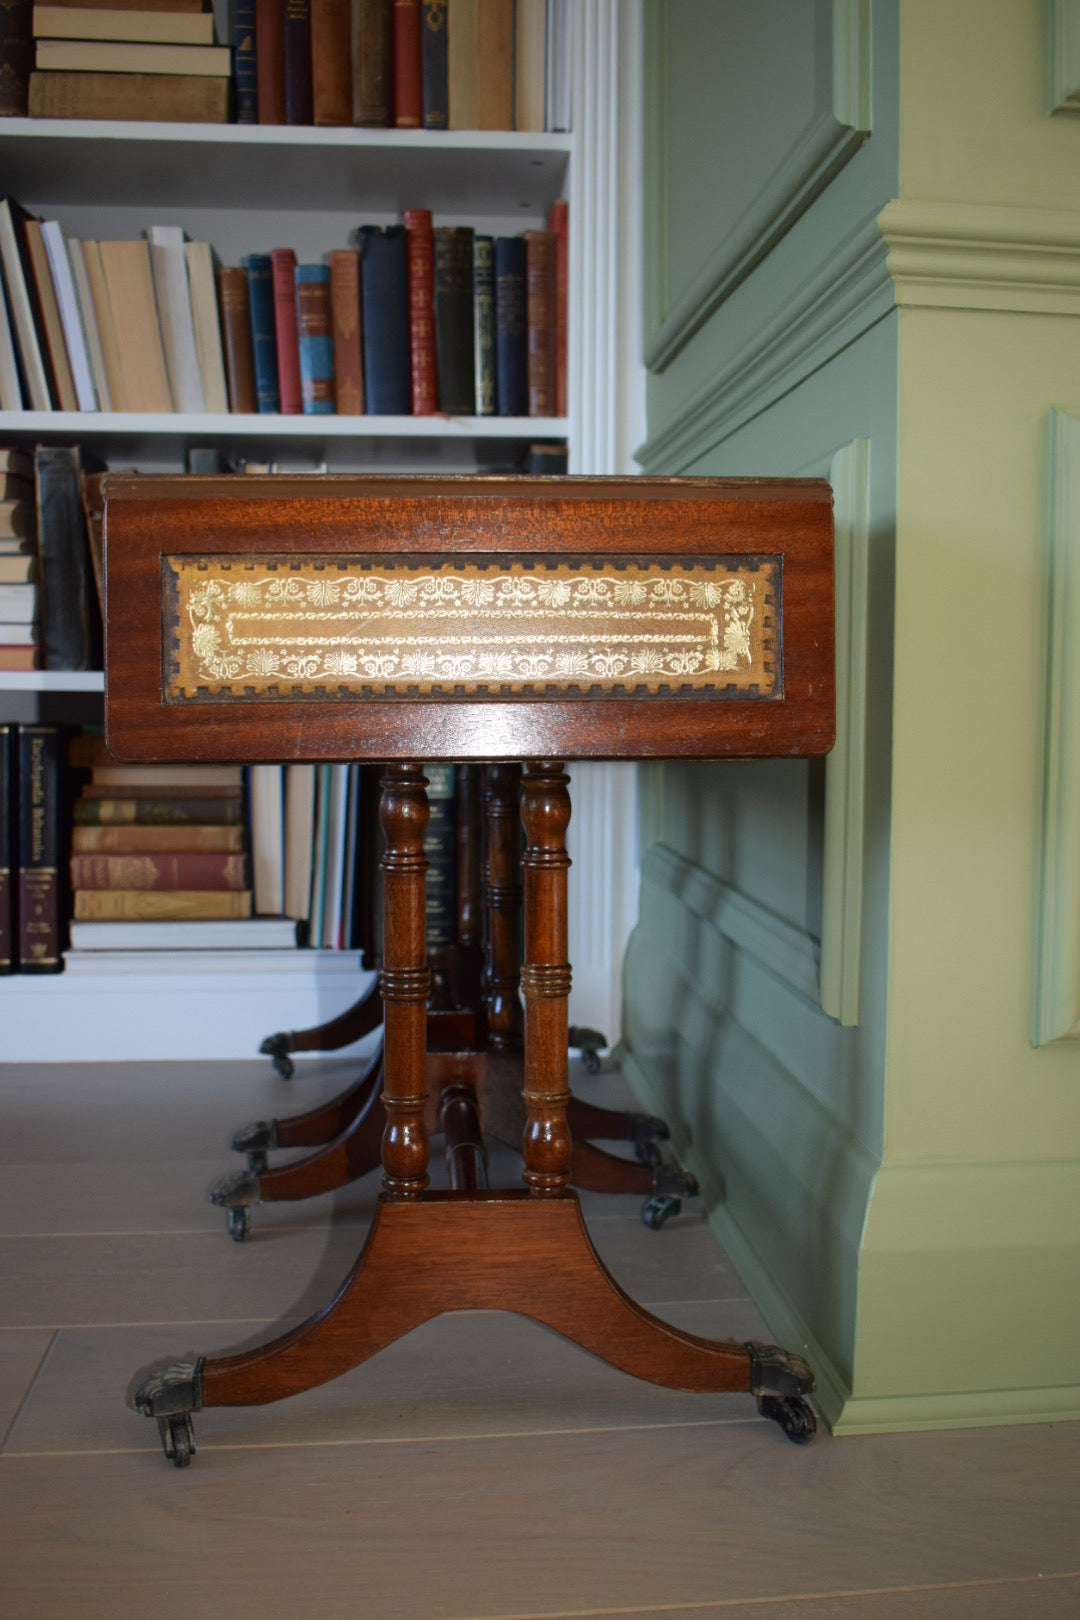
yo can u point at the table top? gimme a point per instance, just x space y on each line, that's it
318 618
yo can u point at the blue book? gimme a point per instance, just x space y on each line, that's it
315 332
244 70
263 334
511 332
384 301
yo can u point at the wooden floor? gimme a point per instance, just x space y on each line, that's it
482 1467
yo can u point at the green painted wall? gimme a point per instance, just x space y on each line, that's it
901 1191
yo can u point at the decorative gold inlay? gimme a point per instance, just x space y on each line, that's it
280 627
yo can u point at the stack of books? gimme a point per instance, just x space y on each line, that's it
129 59
18 562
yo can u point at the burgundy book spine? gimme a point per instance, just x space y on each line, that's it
425 377
408 66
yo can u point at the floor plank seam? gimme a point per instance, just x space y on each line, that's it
29 1390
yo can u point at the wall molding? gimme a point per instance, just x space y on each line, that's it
841 298
1055 988
837 128
954 255
845 766
1061 49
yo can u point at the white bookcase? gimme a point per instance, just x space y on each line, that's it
247 189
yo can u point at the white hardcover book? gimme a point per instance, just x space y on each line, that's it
265 790
144 27
85 297
299 839
16 635
173 295
22 315
17 603
10 392
242 933
70 315
204 311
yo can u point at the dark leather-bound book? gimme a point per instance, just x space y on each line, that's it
270 60
68 610
42 887
384 281
283 276
371 36
454 318
16 57
159 869
299 108
440 847
540 320
263 338
425 378
484 324
511 384
433 61
331 67
314 324
245 66
235 316
408 65
8 915
558 222
347 332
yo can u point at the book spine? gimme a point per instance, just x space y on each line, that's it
213 810
463 64
263 339
286 335
315 329
345 326
245 63
371 50
495 61
22 302
433 62
385 303
204 314
8 782
16 57
270 61
408 67
54 351
40 899
172 98
235 316
100 905
540 321
298 102
454 318
558 224
186 869
511 381
169 266
484 324
425 380
440 847
126 840
331 69
70 621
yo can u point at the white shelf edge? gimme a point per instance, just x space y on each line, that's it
52 680
285 135
172 425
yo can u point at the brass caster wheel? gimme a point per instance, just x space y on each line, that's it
178 1439
794 1415
239 1223
659 1209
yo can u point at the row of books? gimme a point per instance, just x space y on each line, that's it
50 558
408 64
415 319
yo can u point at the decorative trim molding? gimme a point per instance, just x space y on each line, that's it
1055 987
954 255
836 303
841 922
1061 49
788 952
830 138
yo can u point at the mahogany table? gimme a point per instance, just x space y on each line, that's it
470 619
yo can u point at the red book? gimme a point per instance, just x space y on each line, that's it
408 65
162 869
421 251
283 275
345 327
270 61
541 354
558 224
